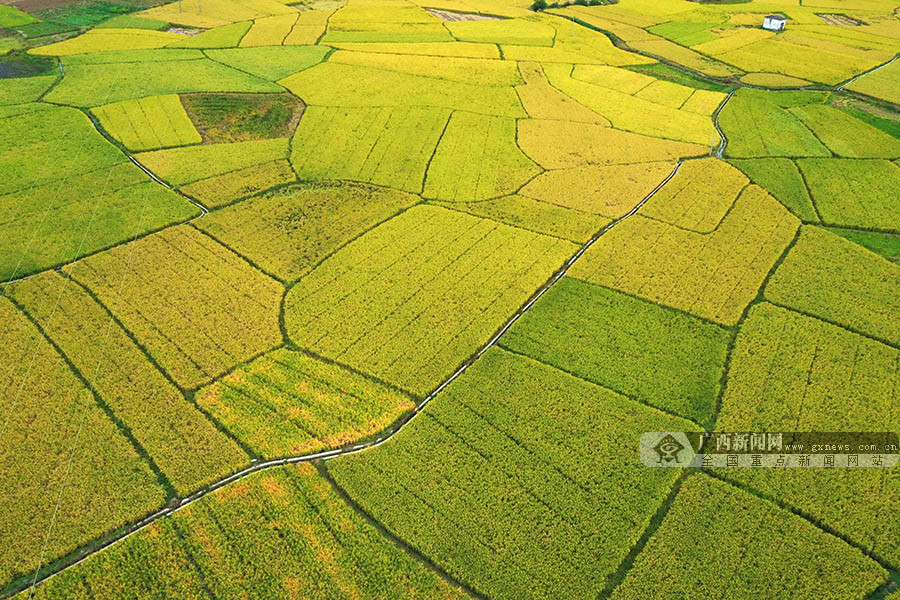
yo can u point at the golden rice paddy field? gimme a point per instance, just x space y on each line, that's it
374 299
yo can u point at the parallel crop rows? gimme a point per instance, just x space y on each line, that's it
373 211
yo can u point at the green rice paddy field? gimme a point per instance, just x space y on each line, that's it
374 299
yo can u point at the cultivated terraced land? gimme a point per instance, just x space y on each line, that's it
362 299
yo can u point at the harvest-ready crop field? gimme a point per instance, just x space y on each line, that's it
374 299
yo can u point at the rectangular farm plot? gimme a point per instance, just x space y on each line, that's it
98 40
224 36
41 146
698 197
148 123
684 56
61 221
96 84
118 57
286 403
651 114
561 144
543 101
476 71
497 480
661 357
179 166
781 178
214 13
622 80
732 40
42 401
703 102
714 275
791 372
855 193
519 32
289 231
269 31
384 146
218 191
769 552
326 85
400 22
457 49
270 62
535 215
884 244
373 12
805 57
573 45
24 89
666 93
477 159
386 32
310 26
284 533
413 298
883 83
685 33
66 192
186 446
832 278
756 127
197 307
607 190
847 136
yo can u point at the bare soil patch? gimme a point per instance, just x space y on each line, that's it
185 31
840 20
234 117
449 15
19 64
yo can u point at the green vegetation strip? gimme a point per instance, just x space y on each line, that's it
661 357
832 278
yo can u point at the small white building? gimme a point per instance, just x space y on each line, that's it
774 23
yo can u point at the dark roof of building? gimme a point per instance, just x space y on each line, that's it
779 17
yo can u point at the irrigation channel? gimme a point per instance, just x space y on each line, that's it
82 554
